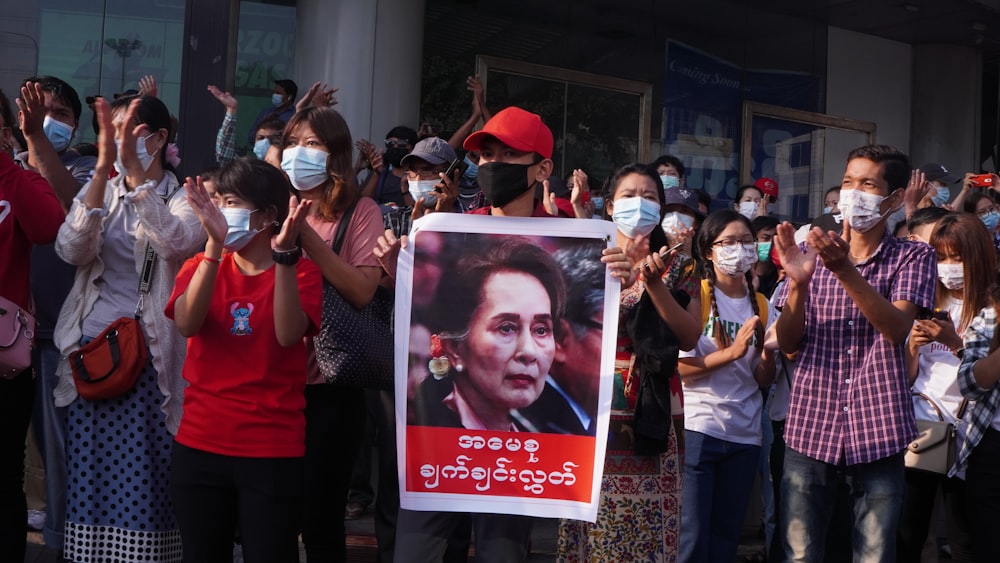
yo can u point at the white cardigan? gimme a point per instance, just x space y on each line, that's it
176 234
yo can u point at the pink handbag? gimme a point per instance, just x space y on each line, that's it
17 334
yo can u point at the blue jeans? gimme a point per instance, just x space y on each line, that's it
808 496
718 478
50 423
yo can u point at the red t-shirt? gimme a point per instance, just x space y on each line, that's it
564 205
30 214
245 396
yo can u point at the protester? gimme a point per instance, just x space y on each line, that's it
657 318
515 149
49 117
106 235
245 313
30 214
939 180
986 207
846 310
317 159
385 184
722 377
921 224
282 105
932 366
750 202
670 170
978 375
831 199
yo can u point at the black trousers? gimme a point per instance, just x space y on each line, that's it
16 398
982 490
334 426
213 494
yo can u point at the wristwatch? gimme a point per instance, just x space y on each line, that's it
286 257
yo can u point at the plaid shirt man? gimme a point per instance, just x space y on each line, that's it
850 400
977 346
225 140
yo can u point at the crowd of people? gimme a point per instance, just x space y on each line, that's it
746 345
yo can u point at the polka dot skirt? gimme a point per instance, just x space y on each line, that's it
118 504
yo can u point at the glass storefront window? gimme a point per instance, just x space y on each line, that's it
265 52
104 47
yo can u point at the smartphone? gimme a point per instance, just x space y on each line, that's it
928 314
667 252
982 180
457 163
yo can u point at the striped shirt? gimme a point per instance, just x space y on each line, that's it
980 416
850 402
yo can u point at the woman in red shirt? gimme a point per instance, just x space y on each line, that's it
238 457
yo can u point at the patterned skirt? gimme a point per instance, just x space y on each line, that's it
639 514
118 505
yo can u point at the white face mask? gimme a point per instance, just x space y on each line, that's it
423 189
952 276
635 216
861 209
735 261
306 168
145 159
674 221
748 209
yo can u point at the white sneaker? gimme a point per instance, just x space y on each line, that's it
36 520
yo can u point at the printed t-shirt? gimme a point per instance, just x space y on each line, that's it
726 403
245 396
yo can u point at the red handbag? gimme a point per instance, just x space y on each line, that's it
109 365
17 334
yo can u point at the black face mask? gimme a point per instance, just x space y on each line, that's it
394 156
502 182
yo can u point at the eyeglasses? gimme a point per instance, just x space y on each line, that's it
988 210
396 144
730 243
423 174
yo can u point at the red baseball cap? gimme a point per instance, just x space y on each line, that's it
518 129
767 186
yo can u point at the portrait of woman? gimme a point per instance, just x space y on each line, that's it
492 336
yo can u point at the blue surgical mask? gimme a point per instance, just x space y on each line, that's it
828 209
423 189
145 159
764 251
598 203
635 216
941 195
670 182
260 148
58 133
276 99
990 220
470 174
306 168
239 232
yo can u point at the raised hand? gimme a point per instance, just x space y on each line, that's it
447 191
32 112
387 251
799 266
549 200
288 238
834 251
106 150
225 98
147 86
653 267
128 130
744 338
204 207
916 189
319 95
